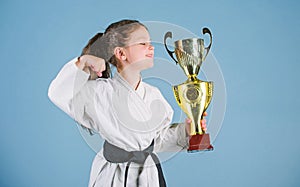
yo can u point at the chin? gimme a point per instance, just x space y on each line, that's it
144 64
149 63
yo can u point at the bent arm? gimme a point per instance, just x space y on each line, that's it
173 137
69 81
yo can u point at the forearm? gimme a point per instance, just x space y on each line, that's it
174 138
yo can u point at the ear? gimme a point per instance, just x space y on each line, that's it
120 53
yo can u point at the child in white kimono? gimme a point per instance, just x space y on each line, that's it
130 115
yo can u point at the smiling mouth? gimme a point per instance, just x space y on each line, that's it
150 55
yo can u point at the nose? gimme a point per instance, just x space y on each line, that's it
151 47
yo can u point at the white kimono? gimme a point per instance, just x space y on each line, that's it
127 118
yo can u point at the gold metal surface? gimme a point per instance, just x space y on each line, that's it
190 55
194 95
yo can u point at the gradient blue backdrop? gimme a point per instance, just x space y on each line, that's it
256 44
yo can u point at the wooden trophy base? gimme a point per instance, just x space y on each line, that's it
199 142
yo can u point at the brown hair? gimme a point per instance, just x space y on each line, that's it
118 34
103 44
93 49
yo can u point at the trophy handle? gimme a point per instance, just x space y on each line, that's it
204 31
169 35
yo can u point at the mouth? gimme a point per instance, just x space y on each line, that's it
150 55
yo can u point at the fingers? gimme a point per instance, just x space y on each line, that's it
102 68
203 124
98 70
99 74
188 120
96 64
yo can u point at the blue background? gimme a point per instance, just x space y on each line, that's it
256 44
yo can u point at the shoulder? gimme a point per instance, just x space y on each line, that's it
103 84
155 93
151 89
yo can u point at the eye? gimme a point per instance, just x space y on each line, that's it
145 43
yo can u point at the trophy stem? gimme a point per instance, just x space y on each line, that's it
196 129
192 78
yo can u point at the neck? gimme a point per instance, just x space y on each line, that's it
132 77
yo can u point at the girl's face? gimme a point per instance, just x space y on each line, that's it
139 49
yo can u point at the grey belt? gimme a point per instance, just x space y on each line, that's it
116 154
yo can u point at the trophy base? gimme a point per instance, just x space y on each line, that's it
199 142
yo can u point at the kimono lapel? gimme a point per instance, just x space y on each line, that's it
132 110
125 87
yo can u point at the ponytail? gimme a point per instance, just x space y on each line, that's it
95 47
102 45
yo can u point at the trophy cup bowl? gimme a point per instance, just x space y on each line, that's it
194 95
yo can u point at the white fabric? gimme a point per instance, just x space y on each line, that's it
125 117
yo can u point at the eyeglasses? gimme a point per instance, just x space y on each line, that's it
147 44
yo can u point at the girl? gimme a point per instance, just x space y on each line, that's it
130 115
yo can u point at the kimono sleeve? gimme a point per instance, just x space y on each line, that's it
72 92
172 137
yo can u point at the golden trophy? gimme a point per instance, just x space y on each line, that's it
194 95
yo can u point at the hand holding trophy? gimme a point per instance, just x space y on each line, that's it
194 95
